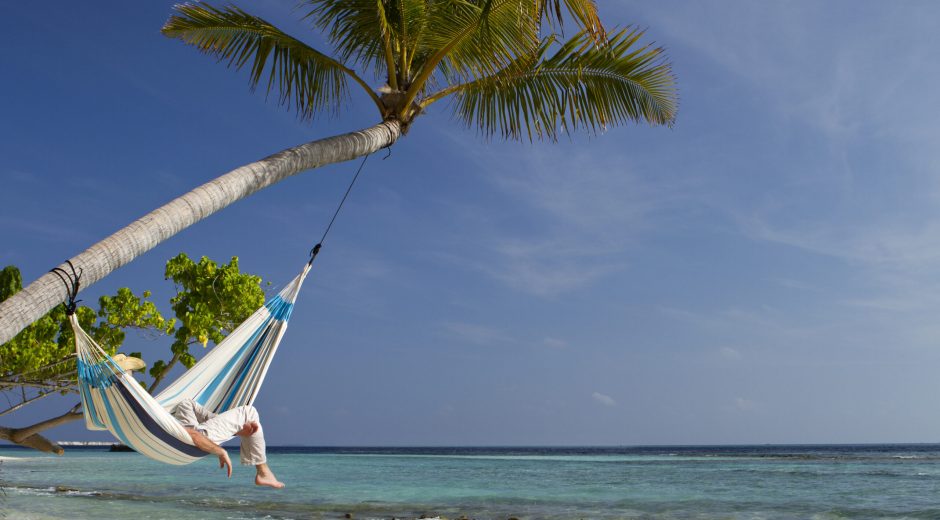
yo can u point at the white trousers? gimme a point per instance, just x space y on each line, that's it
221 427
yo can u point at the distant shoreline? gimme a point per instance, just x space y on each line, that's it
509 448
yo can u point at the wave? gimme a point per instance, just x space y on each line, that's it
190 507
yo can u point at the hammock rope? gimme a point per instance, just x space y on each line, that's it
73 282
228 376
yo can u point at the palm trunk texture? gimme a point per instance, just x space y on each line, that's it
145 233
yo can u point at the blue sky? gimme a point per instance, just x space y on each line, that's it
764 272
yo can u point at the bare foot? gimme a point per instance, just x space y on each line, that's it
265 477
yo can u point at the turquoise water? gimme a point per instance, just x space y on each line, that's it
763 482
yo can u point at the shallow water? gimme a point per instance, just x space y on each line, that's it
742 482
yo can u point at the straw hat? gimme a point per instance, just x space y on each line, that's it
129 363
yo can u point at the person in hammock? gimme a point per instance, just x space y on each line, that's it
208 430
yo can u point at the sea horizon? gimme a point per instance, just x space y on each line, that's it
671 482
80 444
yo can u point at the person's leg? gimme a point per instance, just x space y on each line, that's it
265 477
190 413
245 423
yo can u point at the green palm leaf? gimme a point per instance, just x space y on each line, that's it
488 53
584 13
374 32
582 86
468 39
358 29
304 77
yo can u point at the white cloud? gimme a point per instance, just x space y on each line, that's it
744 405
577 214
897 264
817 76
729 353
555 343
604 399
895 246
472 333
795 284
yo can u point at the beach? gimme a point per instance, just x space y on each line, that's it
729 482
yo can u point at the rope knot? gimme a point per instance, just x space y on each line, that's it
314 251
73 282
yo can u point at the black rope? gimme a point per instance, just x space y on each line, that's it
72 282
316 248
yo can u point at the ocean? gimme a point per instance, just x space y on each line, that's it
672 482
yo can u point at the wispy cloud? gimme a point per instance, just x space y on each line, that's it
767 331
18 176
821 77
795 284
729 353
744 405
576 213
899 246
44 230
555 343
473 333
866 193
897 263
603 399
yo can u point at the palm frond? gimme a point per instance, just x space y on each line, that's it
414 15
466 40
581 86
373 32
356 28
303 77
584 13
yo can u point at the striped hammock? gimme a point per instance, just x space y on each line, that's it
228 376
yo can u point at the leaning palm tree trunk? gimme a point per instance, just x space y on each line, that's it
145 233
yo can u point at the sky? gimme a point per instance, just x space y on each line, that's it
766 271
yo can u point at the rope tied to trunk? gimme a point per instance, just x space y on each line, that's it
72 282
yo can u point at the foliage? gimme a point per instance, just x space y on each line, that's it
212 300
505 62
41 357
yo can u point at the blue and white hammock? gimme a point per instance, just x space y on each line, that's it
228 376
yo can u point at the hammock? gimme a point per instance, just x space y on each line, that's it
228 376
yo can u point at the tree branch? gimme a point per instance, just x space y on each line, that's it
30 438
19 435
36 442
55 385
166 370
26 402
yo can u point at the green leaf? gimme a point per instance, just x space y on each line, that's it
211 301
490 54
581 86
302 76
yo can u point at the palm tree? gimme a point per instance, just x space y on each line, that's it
503 63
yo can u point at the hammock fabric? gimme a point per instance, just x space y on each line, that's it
228 376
